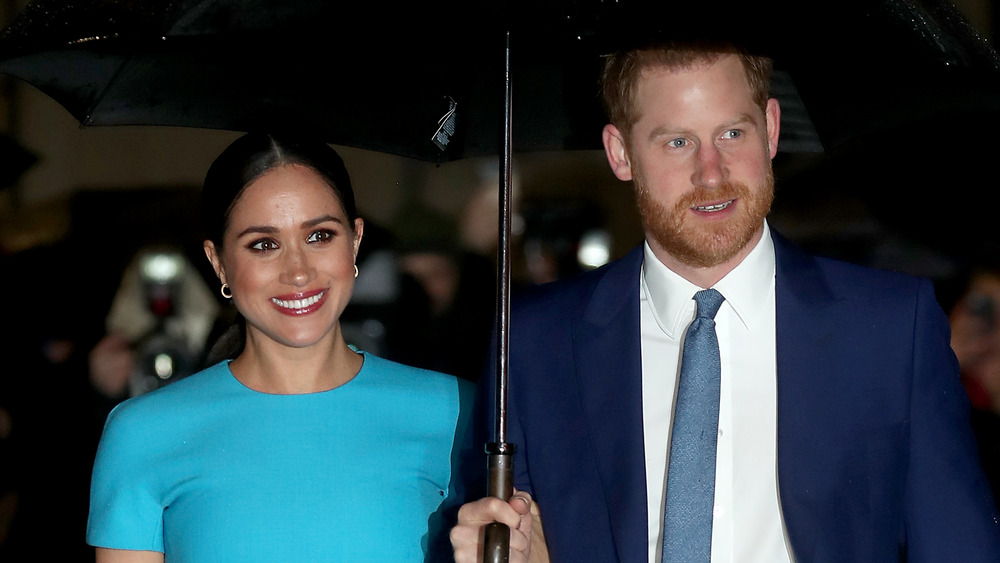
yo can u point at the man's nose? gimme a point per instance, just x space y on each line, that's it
710 168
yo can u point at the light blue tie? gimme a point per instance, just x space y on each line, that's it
687 521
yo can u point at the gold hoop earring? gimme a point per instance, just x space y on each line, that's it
355 270
225 291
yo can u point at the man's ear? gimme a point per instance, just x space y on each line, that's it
773 116
213 259
617 152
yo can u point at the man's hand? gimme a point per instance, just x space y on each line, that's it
521 515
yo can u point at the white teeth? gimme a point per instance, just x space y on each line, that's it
711 208
298 303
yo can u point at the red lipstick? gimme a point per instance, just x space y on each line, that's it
301 303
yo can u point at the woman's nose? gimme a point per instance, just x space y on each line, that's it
297 269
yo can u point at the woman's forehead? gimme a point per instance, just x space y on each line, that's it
287 190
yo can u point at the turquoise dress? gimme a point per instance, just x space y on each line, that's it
206 469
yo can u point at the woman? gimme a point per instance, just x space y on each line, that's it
300 448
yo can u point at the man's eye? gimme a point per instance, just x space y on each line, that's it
732 134
321 235
677 143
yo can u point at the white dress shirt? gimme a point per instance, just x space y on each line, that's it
747 524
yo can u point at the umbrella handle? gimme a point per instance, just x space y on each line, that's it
500 484
496 543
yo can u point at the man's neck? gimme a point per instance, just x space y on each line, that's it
703 276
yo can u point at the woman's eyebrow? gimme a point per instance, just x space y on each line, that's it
322 219
255 229
267 229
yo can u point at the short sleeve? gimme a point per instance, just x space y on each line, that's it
125 512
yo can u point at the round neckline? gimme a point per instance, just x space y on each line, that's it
364 364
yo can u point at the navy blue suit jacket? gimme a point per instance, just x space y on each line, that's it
876 460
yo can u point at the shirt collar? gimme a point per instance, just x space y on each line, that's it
670 294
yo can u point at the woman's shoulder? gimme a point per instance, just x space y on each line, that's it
391 368
425 402
389 372
192 390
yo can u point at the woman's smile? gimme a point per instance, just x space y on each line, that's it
300 303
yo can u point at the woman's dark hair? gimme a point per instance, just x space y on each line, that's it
252 155
245 160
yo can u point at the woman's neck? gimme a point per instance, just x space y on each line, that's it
270 367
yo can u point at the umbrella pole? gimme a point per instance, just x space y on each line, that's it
500 454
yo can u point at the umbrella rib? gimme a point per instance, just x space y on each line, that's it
99 98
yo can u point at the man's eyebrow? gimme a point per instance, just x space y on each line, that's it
667 130
743 118
662 130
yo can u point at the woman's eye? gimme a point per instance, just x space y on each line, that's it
263 245
321 235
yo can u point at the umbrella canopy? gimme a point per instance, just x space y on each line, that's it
418 80
388 76
219 65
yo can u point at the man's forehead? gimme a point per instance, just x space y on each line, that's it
660 83
683 62
729 63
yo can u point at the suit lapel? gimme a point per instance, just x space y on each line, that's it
607 354
802 297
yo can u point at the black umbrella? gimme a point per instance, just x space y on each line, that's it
430 81
421 80
384 76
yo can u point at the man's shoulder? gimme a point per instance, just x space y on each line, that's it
858 276
798 265
616 276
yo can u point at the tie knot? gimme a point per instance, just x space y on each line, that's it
709 301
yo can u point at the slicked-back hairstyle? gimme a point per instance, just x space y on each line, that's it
253 154
623 69
245 160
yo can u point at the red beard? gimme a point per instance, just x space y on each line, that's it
705 244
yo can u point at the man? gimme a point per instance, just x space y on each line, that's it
842 426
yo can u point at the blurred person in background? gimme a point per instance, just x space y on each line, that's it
298 446
562 239
975 337
50 414
158 325
388 308
460 290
